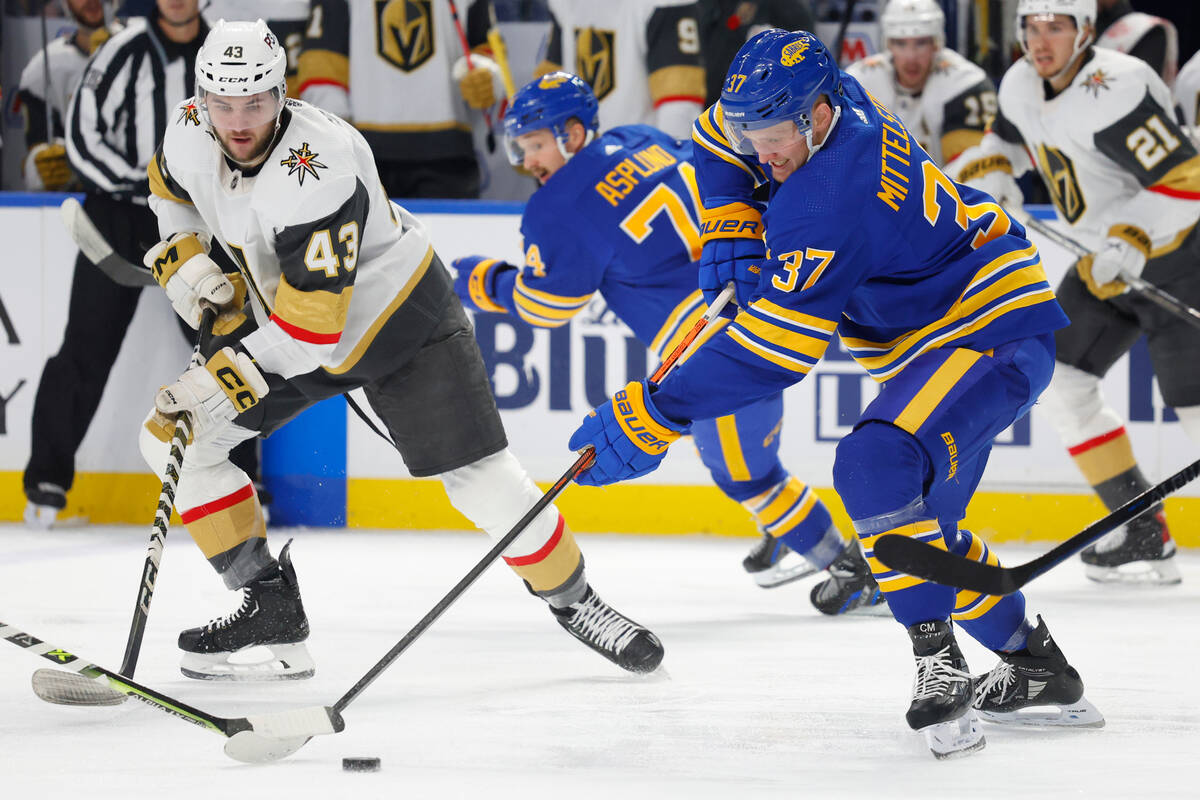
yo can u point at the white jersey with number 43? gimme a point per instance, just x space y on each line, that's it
1107 147
326 255
948 115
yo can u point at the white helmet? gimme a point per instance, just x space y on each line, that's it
1082 11
914 19
240 58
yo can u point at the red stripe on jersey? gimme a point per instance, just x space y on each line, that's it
545 550
220 504
1099 440
303 335
679 98
321 82
1180 193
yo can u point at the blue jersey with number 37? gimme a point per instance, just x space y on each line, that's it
619 218
871 239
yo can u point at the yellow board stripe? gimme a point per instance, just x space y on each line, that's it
731 448
935 389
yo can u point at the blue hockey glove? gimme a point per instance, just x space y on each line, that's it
733 250
475 284
629 435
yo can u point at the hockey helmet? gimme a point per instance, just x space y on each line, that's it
240 59
1082 11
914 19
549 102
778 76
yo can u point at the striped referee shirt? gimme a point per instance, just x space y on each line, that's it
119 113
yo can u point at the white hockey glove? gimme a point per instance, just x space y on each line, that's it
227 385
1125 252
481 83
181 266
1004 189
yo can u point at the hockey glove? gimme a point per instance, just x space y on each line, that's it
481 83
227 385
475 282
733 250
1125 252
181 266
50 171
629 435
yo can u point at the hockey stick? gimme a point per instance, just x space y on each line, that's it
940 566
500 52
254 739
581 463
466 48
96 248
73 690
1148 290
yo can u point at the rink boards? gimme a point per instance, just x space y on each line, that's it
327 468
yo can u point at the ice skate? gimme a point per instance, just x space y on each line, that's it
610 633
44 503
772 563
1035 686
942 693
1141 552
262 641
850 587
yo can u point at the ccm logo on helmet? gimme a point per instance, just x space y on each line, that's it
635 426
242 79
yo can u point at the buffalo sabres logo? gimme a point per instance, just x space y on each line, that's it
793 53
1096 81
553 80
596 59
189 113
1059 174
404 32
302 162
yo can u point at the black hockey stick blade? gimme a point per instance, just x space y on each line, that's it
253 739
939 566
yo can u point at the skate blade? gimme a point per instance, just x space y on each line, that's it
1136 573
277 662
1080 714
954 738
780 572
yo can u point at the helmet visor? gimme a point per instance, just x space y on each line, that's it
764 135
241 113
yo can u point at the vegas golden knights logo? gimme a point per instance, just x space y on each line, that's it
596 59
404 33
1059 175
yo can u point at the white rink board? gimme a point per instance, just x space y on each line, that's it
35 286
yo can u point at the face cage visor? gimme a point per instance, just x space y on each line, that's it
241 112
767 135
516 153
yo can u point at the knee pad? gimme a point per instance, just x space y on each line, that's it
1189 418
494 493
1076 407
878 469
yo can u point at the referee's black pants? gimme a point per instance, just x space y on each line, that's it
74 378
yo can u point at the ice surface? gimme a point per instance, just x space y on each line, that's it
764 697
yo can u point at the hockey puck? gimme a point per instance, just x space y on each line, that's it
360 764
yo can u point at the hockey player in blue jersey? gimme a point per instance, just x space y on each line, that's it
933 289
617 213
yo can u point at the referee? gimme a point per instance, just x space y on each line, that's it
116 119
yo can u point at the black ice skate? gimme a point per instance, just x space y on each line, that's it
1140 552
849 587
772 563
271 617
941 702
1035 686
610 633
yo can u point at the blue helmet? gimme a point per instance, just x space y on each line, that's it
778 76
548 102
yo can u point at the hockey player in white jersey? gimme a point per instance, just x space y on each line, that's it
940 96
61 62
1100 128
641 57
337 288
